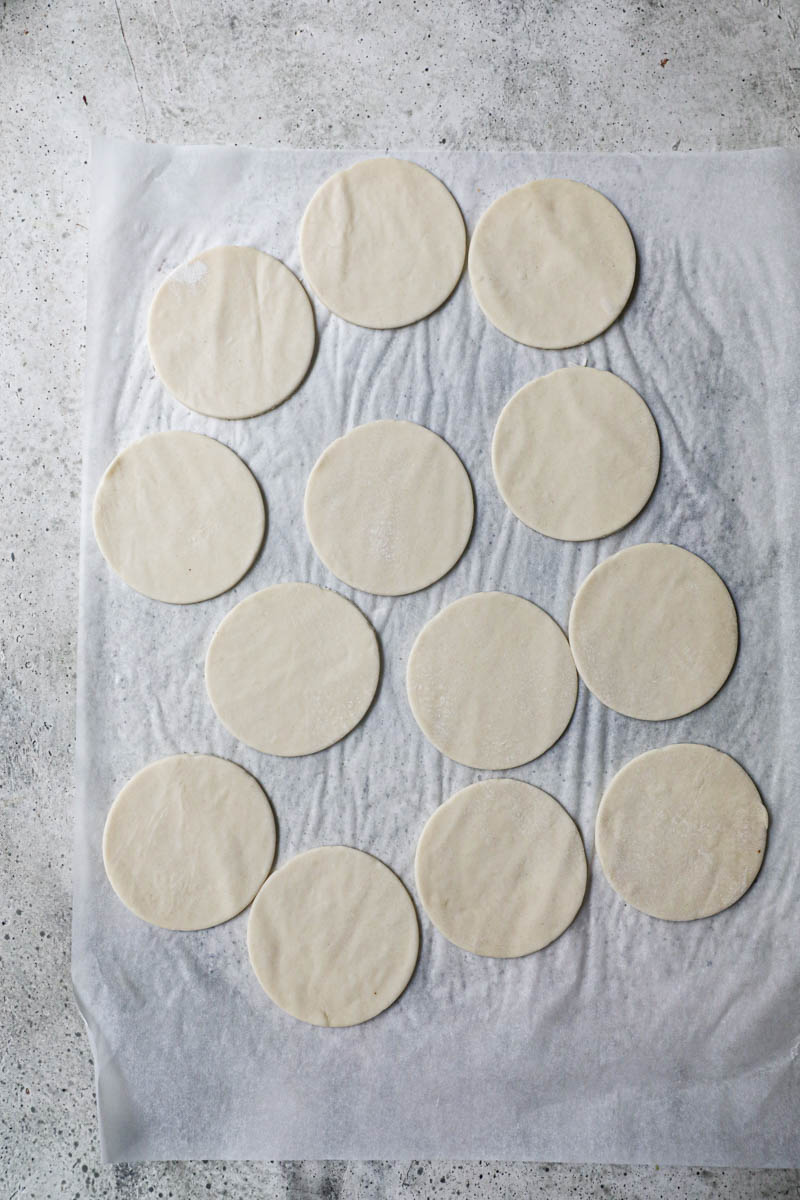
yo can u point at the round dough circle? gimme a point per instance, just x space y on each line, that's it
576 454
333 937
383 243
501 869
292 669
389 507
552 263
179 517
491 681
188 841
654 632
681 832
231 333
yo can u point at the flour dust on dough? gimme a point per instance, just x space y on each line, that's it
654 631
501 869
389 507
292 669
491 681
333 937
552 263
576 454
383 243
231 333
188 841
681 832
179 517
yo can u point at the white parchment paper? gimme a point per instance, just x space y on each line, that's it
629 1039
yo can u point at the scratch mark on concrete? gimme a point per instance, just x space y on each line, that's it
180 29
133 66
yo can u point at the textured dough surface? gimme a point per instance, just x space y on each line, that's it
179 517
383 243
292 669
501 869
654 631
552 263
576 453
333 937
389 507
231 333
491 681
188 841
681 832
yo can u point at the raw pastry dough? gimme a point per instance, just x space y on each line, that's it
654 632
389 507
292 669
681 832
501 869
491 681
383 243
179 517
231 333
552 263
333 937
576 454
189 841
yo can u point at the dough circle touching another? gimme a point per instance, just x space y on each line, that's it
333 937
292 669
654 631
389 507
576 454
501 869
552 263
231 333
383 243
681 832
188 841
491 681
179 517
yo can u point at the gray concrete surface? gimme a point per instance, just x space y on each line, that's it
564 74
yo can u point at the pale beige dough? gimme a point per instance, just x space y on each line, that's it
188 841
231 333
501 869
654 631
389 507
333 937
383 243
552 263
491 681
179 517
292 669
681 832
576 454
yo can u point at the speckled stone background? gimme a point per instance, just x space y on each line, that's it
561 74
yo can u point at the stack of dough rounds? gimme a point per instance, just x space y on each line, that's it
501 869
654 632
576 454
383 243
333 937
292 669
189 841
389 507
231 333
552 263
681 832
179 517
491 681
